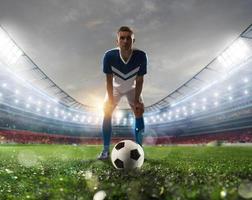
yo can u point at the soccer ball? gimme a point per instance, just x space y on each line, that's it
127 154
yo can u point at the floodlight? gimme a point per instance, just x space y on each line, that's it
216 94
8 49
146 120
89 120
234 54
124 123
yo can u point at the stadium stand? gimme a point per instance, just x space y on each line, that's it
206 108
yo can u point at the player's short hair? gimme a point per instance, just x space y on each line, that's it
125 28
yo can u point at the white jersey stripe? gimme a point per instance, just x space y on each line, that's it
125 76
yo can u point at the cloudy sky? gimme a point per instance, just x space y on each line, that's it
67 38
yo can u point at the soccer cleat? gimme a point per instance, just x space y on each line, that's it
104 155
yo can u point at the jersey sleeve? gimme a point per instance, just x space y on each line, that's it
143 66
106 64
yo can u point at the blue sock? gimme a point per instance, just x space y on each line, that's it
139 129
106 132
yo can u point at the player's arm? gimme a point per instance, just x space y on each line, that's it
139 87
109 77
138 106
140 78
108 106
109 85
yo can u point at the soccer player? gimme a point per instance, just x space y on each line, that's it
125 68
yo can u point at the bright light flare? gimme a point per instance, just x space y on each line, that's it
237 52
229 88
119 114
98 105
8 49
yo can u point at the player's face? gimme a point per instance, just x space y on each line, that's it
125 40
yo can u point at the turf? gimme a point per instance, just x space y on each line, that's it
72 172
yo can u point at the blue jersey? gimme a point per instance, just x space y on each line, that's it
124 73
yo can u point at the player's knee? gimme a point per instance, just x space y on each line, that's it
138 115
108 111
139 112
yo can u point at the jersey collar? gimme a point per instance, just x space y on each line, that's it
125 62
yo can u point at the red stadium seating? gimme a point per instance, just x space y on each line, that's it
24 137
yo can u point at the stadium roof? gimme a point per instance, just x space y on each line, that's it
238 52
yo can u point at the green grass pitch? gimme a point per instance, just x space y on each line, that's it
170 172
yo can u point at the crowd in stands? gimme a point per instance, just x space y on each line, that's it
241 136
28 137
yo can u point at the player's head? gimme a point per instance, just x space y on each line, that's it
125 38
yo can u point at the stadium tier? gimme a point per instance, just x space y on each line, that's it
216 104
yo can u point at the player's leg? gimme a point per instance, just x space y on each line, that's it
107 125
106 130
138 112
139 126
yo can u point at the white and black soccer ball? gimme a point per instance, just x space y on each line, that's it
127 154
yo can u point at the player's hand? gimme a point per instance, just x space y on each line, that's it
138 108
